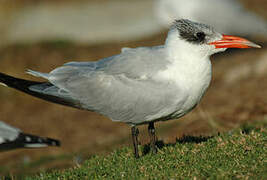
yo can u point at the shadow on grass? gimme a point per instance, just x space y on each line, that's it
183 140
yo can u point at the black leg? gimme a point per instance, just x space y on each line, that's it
152 135
135 133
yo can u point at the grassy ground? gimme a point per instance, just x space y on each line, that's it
238 154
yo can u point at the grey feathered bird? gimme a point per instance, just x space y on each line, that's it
13 138
141 85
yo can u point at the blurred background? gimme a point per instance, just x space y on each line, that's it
44 34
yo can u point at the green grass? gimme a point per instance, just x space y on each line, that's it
239 154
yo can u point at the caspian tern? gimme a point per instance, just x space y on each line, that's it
228 16
141 85
13 138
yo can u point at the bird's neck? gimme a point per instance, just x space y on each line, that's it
189 68
186 67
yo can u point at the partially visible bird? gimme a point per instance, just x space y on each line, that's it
13 138
228 16
141 85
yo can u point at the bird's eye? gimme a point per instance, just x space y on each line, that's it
200 36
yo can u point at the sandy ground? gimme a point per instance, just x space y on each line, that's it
237 95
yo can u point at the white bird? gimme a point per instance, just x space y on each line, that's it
228 16
13 138
141 85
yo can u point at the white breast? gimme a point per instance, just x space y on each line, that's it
191 79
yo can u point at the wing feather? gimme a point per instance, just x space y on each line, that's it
120 87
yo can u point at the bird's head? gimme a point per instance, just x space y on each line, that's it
192 37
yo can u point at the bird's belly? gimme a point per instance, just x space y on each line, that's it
192 97
186 108
180 104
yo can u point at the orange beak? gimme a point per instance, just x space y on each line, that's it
234 42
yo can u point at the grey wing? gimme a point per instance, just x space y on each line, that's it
118 97
138 62
7 132
120 87
12 138
121 98
132 62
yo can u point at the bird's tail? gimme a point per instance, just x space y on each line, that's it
38 89
28 141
